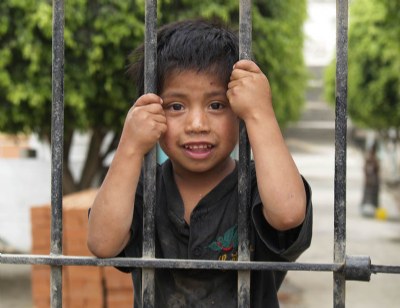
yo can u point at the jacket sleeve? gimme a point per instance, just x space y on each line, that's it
290 244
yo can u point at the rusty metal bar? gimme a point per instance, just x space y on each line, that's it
150 163
358 268
245 40
385 269
357 263
167 263
339 287
57 140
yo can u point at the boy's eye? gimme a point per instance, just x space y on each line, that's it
216 105
175 107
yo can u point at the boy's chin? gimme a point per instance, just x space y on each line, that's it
204 167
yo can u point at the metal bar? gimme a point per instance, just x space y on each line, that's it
167 263
385 269
245 40
150 163
58 260
339 290
57 140
358 268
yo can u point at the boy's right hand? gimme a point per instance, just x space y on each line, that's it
144 125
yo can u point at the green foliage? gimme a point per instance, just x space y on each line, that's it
374 64
98 37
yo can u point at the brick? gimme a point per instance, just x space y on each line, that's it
83 286
80 200
84 282
87 273
120 299
76 218
40 278
40 216
85 302
116 280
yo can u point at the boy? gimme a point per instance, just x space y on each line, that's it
195 118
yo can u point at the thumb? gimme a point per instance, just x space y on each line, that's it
247 65
147 99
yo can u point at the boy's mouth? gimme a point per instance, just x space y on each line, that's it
198 150
198 147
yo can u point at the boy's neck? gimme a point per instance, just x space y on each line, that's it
194 186
204 179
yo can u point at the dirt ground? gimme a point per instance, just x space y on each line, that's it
15 286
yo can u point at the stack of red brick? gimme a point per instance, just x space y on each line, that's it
83 286
14 146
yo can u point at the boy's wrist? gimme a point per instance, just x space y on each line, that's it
259 117
130 151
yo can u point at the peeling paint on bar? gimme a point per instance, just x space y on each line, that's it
57 140
150 163
245 46
166 263
339 292
356 263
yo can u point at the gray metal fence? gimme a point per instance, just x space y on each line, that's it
343 267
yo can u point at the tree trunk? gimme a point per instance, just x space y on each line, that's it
93 168
93 161
69 184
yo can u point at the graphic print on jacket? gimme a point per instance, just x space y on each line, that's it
226 245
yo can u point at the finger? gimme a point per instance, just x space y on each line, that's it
239 73
153 108
147 99
235 82
247 65
158 129
161 119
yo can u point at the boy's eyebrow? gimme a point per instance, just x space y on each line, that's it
173 94
177 94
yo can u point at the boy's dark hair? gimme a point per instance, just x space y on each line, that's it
198 45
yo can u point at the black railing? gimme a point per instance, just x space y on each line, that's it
57 150
243 285
150 163
339 251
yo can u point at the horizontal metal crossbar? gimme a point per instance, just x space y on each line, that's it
385 269
61 260
57 260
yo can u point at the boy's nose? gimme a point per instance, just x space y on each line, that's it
197 122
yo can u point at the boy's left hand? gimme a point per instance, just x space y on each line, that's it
249 92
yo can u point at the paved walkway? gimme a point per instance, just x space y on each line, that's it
312 144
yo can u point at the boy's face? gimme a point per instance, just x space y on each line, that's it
202 128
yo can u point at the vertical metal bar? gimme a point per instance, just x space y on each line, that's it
150 163
245 40
339 290
57 139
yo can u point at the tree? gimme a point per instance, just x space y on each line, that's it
373 71
99 35
373 65
98 38
373 68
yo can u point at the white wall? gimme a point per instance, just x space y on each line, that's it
23 183
26 182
